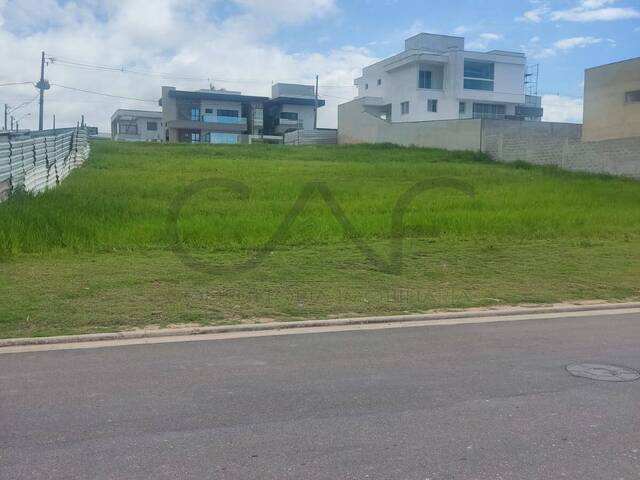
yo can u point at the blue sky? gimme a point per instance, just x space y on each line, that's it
382 25
249 44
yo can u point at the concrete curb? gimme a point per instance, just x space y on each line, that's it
179 332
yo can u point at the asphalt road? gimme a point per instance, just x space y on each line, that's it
490 401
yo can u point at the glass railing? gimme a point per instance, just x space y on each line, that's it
223 119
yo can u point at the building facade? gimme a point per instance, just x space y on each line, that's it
223 116
612 101
435 78
136 125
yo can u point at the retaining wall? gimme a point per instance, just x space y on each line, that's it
37 163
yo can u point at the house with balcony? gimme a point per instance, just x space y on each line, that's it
136 125
224 116
435 78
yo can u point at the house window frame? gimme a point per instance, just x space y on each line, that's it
632 97
432 105
462 108
379 81
292 116
150 123
405 108
223 112
474 81
128 127
425 79
195 114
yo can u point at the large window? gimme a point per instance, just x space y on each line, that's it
424 79
195 137
478 75
128 127
293 116
152 126
633 97
488 110
228 113
404 108
195 114
432 105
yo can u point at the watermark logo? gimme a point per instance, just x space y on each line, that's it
392 265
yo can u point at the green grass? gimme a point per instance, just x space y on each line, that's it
94 254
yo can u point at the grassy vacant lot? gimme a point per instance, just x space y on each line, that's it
96 253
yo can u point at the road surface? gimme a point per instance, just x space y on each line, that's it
486 401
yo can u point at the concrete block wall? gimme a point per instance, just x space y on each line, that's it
538 143
559 144
356 125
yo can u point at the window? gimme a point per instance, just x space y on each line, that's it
379 81
488 110
228 113
366 86
462 108
404 108
432 105
632 97
128 127
424 79
478 75
293 116
152 126
208 110
195 114
195 137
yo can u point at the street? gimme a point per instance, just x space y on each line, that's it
477 401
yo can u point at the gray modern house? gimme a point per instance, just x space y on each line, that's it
136 125
224 116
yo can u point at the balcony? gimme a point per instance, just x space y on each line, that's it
210 123
224 120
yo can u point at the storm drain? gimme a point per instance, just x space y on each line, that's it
605 373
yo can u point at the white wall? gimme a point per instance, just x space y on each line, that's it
305 114
401 85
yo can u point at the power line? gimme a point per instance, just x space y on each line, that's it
28 102
14 83
103 94
68 62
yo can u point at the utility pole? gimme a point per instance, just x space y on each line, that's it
315 109
54 124
42 85
12 123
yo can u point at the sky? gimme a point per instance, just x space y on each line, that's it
131 48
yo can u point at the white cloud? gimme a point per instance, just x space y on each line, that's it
482 41
558 108
535 15
535 50
177 37
598 15
582 11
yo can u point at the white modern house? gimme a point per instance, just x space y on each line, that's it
136 125
435 78
224 116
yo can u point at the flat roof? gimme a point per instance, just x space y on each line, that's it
635 59
230 97
136 113
295 101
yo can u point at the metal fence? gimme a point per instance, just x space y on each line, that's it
312 137
38 162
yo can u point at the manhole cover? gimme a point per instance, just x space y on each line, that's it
606 373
